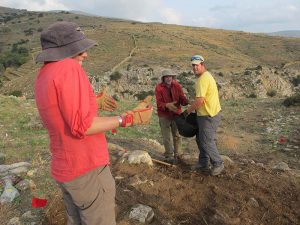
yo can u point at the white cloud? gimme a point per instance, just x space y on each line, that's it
127 9
292 8
171 16
246 15
35 5
206 21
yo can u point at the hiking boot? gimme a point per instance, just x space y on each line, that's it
169 159
178 159
201 168
216 170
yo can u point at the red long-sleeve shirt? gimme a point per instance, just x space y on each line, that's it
67 106
165 95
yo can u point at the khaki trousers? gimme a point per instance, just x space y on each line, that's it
90 198
171 137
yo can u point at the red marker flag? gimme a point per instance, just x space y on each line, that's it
38 202
282 140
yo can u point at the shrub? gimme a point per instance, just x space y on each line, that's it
292 101
23 51
29 31
247 72
221 74
2 69
252 95
16 93
143 94
15 58
296 81
272 93
116 76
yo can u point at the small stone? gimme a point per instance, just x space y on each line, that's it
23 185
30 173
253 202
19 170
260 165
252 161
32 185
282 166
142 213
222 218
28 215
137 180
14 221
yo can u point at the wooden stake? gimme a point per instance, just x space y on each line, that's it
162 162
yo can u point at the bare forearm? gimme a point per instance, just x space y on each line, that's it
102 124
195 105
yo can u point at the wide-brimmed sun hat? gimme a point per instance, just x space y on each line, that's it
197 59
62 40
168 72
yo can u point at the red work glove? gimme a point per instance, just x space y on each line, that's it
106 102
139 115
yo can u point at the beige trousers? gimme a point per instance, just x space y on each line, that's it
90 198
171 137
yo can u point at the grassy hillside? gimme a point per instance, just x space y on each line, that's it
148 44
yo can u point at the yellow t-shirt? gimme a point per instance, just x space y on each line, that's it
206 87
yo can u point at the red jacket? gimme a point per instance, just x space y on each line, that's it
165 95
67 106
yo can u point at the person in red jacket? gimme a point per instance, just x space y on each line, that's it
69 111
169 99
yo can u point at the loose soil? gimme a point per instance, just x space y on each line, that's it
249 192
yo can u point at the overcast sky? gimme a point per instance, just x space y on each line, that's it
244 15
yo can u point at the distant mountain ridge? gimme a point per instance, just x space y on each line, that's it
286 33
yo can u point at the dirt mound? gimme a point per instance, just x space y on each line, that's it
246 193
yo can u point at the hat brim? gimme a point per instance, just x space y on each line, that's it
162 77
67 51
196 62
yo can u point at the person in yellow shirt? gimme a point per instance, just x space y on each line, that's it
207 106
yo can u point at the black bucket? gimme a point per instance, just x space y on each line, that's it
187 127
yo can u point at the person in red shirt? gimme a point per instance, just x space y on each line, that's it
68 109
169 99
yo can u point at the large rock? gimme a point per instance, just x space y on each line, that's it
139 156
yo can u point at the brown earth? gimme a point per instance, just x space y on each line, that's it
249 192
244 194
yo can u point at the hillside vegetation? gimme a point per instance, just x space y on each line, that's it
258 137
130 46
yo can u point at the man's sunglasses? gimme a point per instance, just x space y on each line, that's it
196 58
